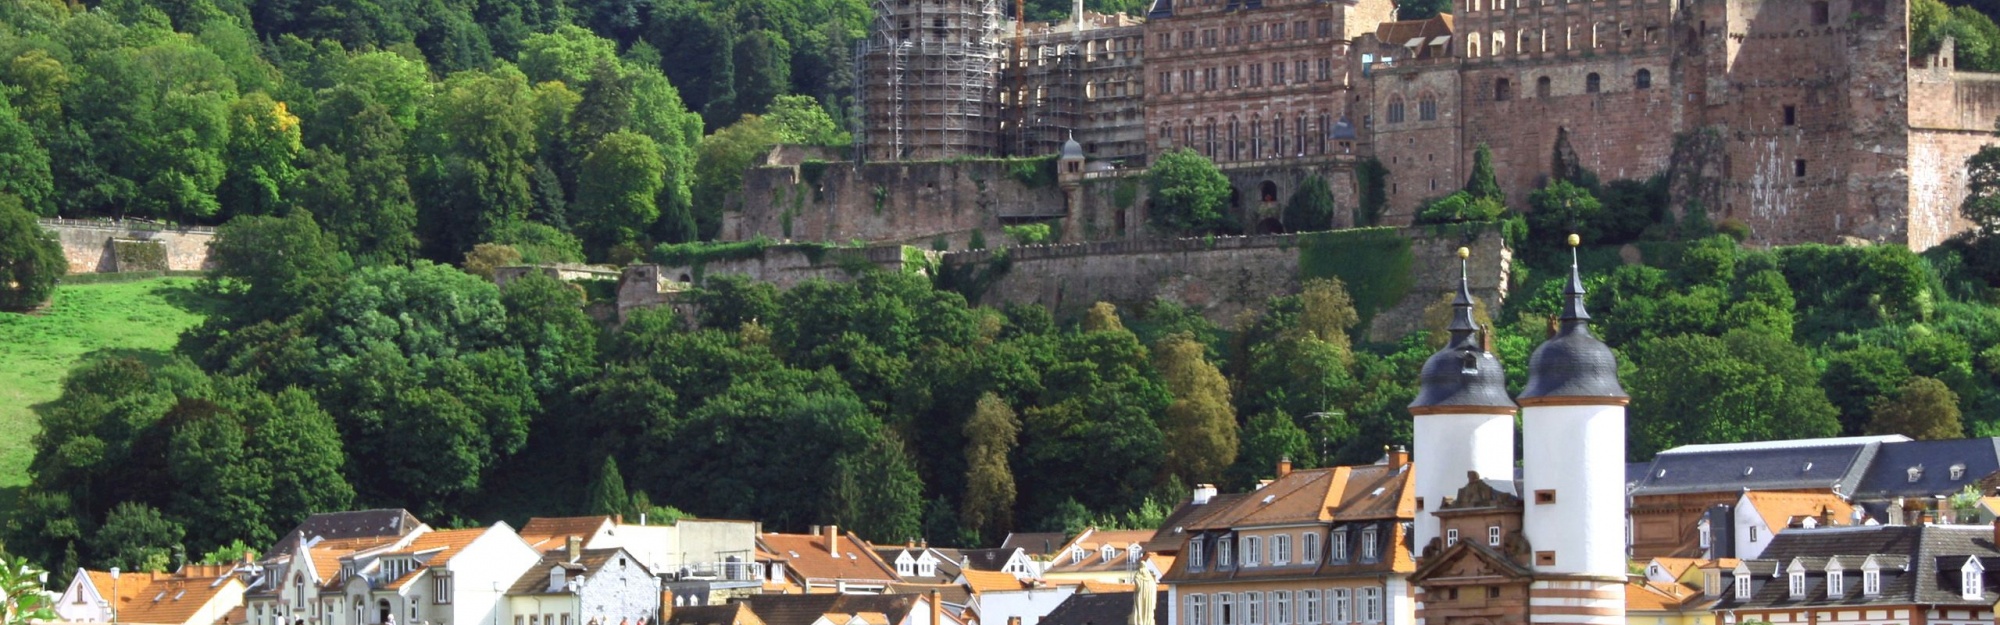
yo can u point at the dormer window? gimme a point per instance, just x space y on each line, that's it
1223 553
1797 580
1451 538
927 565
1871 582
558 578
1971 579
1492 535
1340 546
1134 551
1368 546
1107 553
904 566
1836 581
1957 471
1742 584
1916 473
1703 530
1194 554
1253 551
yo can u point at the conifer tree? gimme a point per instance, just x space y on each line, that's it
1199 427
607 492
1483 184
990 435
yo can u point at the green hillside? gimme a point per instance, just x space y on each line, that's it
144 316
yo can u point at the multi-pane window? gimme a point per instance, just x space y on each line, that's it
1208 37
1253 608
1493 536
1299 29
1309 548
1256 74
1427 110
1187 38
1371 605
1326 28
1222 553
1194 545
1278 31
1798 584
1278 73
1395 113
1281 607
1326 69
1299 71
1368 546
1451 538
1235 76
1281 550
1166 82
1256 33
1343 605
1835 580
1340 546
1309 606
1209 78
1197 610
1253 551
1225 609
1871 583
1166 41
1742 586
1235 35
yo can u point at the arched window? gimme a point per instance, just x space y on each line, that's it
1472 50
1592 83
1267 191
1502 90
1499 43
1427 108
1395 115
1543 88
1643 79
1234 149
1299 133
1208 140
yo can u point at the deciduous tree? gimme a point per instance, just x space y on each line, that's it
1922 408
1188 192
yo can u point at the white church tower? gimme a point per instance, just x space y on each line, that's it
1464 419
1573 478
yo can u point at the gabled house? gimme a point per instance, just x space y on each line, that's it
194 595
1931 574
921 564
1913 476
1311 546
839 608
1666 603
1761 516
825 561
1035 544
1100 555
449 577
577 586
1002 599
703 560
299 579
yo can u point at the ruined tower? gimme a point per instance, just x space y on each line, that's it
929 80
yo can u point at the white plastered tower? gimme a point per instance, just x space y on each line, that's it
1464 421
1573 474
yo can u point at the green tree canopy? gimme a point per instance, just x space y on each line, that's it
1922 408
1311 206
1188 192
31 260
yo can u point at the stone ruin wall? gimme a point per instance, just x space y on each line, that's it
1219 278
910 203
89 245
1952 116
1227 276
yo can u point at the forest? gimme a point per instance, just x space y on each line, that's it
365 159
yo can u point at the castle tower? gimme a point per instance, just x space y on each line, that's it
1464 419
1573 479
929 77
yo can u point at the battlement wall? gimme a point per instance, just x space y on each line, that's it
94 246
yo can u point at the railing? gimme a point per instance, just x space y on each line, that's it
720 571
125 224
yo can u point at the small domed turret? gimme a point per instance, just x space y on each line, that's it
1072 149
1463 374
1573 364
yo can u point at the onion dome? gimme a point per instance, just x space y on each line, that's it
1573 364
1464 376
1072 149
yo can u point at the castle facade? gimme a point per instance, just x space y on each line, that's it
1806 120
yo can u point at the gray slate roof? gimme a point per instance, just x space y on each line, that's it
1889 476
347 524
1821 465
1107 608
1920 566
1035 543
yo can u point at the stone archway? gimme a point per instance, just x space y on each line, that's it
1267 192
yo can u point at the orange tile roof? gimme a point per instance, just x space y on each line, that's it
1676 567
1094 586
806 555
1657 597
1778 509
991 581
445 544
161 598
543 529
1092 541
1377 491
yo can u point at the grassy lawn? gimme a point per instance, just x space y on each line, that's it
145 316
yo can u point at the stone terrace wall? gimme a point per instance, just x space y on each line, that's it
88 244
1224 277
901 203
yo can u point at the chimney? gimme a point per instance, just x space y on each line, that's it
1284 465
1399 456
937 607
1827 518
1996 531
575 548
1203 493
618 519
833 540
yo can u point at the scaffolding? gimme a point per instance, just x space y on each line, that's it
929 78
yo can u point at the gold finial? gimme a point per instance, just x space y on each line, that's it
1464 253
1575 240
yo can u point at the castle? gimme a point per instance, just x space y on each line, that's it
1806 120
